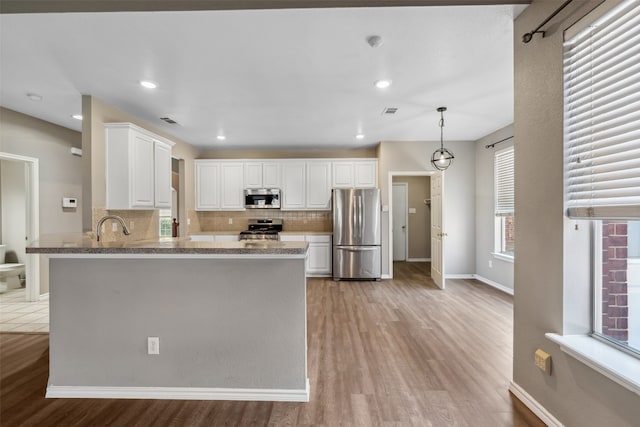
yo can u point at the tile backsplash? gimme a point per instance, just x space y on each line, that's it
145 224
292 220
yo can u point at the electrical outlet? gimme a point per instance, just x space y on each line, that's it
230 221
490 263
114 227
153 345
542 360
188 221
132 225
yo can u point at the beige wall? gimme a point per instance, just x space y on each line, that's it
419 226
459 205
574 394
96 114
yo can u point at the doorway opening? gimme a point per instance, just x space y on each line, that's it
20 219
413 220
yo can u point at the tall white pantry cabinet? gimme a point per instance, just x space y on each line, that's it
138 168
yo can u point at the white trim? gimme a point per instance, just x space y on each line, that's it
535 407
418 259
503 257
460 276
405 186
179 393
386 276
614 364
493 284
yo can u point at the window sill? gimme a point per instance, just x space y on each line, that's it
614 364
503 257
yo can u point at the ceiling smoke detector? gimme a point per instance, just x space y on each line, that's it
169 120
374 41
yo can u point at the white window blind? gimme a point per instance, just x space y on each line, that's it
505 201
602 116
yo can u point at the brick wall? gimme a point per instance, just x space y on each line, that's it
615 309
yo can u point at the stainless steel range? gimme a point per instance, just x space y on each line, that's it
262 229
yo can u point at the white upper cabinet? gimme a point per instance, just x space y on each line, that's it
355 173
318 185
219 185
262 174
232 185
138 168
162 174
365 173
271 174
293 185
207 185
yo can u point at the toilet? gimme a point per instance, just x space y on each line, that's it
8 270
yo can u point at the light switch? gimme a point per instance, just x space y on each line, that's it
412 210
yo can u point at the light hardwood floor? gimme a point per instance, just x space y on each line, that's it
390 353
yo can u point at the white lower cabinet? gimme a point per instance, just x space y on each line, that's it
319 256
214 237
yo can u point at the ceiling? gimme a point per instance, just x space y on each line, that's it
285 78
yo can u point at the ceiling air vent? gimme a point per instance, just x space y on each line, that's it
390 110
168 120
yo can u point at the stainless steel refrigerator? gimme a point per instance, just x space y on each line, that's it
356 233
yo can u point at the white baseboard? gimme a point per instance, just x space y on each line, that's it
179 393
535 407
386 276
493 284
460 276
418 259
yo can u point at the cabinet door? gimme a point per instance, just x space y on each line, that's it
253 175
291 237
271 175
201 237
319 259
293 188
207 184
365 174
142 187
226 237
162 172
232 185
343 174
318 185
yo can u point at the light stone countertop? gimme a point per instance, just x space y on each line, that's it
227 233
85 243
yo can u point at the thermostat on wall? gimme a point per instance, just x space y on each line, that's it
69 202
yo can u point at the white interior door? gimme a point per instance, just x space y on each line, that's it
399 213
437 233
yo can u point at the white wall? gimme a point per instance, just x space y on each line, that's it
574 394
502 271
459 205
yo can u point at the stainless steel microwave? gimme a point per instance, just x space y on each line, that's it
262 198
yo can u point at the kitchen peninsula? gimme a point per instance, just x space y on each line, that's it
230 318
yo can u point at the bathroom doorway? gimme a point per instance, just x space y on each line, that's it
20 215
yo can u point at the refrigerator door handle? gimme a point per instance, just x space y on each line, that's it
360 225
358 248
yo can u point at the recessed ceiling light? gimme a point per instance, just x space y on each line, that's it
221 137
77 116
360 136
383 84
148 84
34 97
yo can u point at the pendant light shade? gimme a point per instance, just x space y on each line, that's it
442 158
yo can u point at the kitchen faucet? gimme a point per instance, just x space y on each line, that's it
125 230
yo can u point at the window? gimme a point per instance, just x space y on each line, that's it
504 200
602 163
165 222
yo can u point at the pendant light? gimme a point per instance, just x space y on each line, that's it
441 158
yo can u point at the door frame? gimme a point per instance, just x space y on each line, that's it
406 219
392 174
32 221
